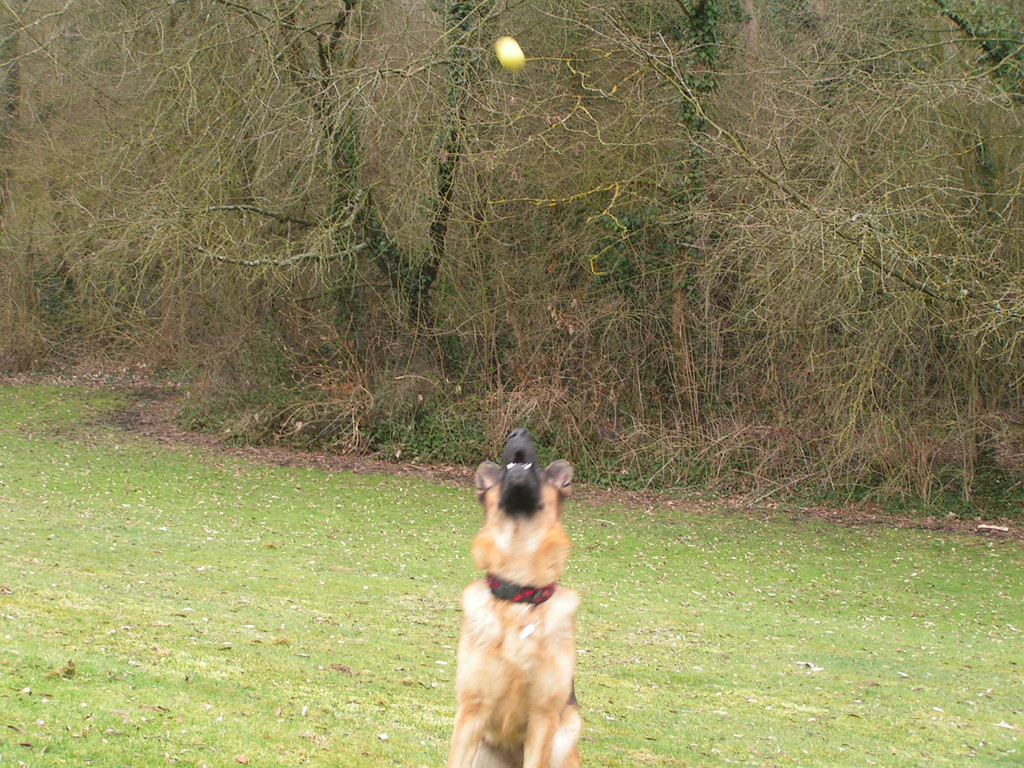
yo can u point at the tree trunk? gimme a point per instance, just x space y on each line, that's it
751 28
458 22
10 90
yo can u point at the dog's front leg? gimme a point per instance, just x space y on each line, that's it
540 739
466 736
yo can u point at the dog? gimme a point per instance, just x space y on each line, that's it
515 691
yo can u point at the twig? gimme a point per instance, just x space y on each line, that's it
290 261
284 218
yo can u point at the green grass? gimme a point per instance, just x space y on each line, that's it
166 606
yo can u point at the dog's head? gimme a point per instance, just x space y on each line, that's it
519 485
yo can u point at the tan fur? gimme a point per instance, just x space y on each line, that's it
515 662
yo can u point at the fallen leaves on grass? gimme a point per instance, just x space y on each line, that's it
320 740
64 671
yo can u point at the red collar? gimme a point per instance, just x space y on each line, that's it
516 593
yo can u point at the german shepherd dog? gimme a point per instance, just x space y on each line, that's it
517 705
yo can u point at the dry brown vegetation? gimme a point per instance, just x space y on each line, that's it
773 243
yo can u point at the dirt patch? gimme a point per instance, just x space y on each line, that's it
154 418
854 517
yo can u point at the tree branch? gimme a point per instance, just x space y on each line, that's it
290 261
284 218
855 236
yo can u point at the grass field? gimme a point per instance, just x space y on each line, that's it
161 605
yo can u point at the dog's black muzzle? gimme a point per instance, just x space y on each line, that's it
521 475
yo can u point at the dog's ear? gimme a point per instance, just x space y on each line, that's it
487 475
559 474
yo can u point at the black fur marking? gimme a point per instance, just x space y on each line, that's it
521 475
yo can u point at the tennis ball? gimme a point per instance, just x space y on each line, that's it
509 54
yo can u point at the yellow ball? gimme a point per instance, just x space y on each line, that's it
509 54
